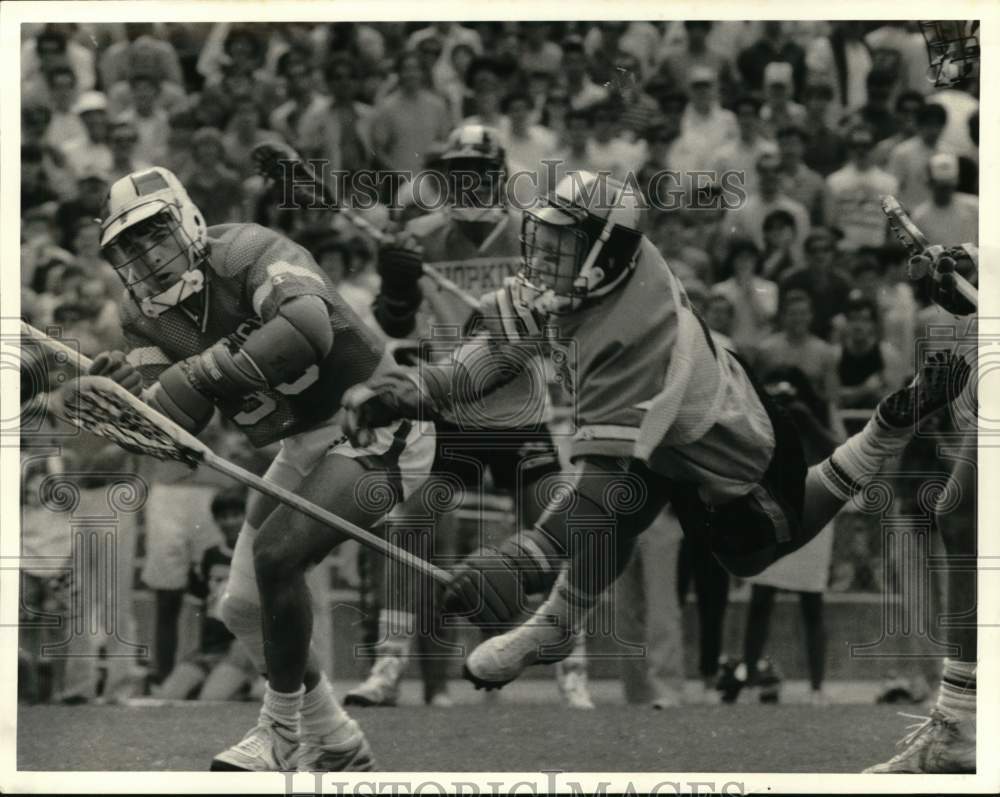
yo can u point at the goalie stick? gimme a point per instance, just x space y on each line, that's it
279 161
942 264
102 407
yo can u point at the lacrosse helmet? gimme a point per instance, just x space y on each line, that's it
155 238
474 163
580 244
953 49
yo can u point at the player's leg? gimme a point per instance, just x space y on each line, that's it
231 674
946 742
182 681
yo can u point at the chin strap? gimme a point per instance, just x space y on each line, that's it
190 283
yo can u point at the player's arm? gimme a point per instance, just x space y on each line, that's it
400 266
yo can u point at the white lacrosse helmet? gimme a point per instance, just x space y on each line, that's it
580 244
155 238
475 163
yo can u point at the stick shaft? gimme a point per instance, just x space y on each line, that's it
325 517
55 346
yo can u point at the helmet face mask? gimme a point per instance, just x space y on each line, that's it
553 249
149 256
474 167
953 49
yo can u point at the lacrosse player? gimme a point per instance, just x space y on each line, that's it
664 415
475 242
237 318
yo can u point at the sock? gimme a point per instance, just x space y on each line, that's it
395 632
569 604
843 473
957 696
321 715
282 708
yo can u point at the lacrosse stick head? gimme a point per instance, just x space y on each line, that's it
272 159
952 49
909 235
104 408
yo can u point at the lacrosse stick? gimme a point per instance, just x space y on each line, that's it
278 162
927 259
102 407
56 347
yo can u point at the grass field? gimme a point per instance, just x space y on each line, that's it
477 737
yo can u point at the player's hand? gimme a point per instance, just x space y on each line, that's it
400 265
176 396
486 590
380 402
117 368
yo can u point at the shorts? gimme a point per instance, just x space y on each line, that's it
514 458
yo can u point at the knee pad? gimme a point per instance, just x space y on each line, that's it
242 618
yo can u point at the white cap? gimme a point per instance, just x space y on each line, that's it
778 72
90 101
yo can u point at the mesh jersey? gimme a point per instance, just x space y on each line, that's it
482 269
648 382
251 271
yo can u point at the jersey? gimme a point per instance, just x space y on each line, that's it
250 272
648 382
478 269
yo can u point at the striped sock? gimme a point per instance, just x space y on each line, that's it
957 696
321 714
844 472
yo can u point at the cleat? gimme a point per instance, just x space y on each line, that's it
937 745
768 681
441 700
501 659
572 680
381 687
731 680
265 748
337 755
941 380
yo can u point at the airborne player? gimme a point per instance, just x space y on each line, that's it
664 416
237 318
475 242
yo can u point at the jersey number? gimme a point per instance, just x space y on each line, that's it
266 404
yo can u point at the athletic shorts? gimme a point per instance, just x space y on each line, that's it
513 458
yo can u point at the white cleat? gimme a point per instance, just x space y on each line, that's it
572 680
336 753
265 748
500 659
381 687
937 745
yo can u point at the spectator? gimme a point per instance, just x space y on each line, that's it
93 318
124 139
669 230
86 246
753 298
183 125
219 669
898 46
826 285
54 46
485 79
867 367
774 44
705 125
451 34
740 153
606 150
116 62
960 106
302 99
844 56
146 60
538 52
780 255
638 108
338 130
749 219
779 110
582 91
908 105
720 316
91 150
151 121
243 133
527 146
698 52
35 188
575 155
92 187
948 217
406 123
65 125
855 194
605 50
212 185
908 161
897 304
876 114
825 151
794 345
798 181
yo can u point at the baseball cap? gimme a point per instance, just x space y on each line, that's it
778 72
701 74
90 101
943 168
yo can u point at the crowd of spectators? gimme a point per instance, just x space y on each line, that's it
818 120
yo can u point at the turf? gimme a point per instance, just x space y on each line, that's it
750 738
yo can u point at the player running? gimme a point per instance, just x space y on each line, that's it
237 318
663 415
475 242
